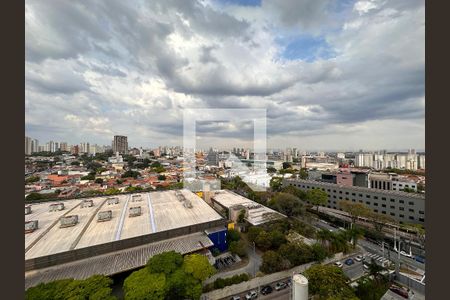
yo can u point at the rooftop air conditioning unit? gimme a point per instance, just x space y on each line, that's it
68 221
112 200
135 211
104 216
31 226
56 206
87 203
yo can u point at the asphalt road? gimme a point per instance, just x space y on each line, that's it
389 254
282 294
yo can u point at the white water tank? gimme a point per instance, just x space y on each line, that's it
300 287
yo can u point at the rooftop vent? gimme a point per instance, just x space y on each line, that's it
31 226
87 203
68 221
135 211
104 216
112 200
56 206
136 198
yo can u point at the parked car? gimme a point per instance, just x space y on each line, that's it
338 264
251 295
266 290
359 258
349 262
280 286
420 258
399 291
235 298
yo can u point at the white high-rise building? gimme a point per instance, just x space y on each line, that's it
84 148
34 146
421 162
28 145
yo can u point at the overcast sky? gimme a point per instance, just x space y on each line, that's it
333 75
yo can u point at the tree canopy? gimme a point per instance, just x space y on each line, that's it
169 276
328 282
96 287
317 197
354 209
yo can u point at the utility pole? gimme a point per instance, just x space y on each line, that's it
254 257
397 265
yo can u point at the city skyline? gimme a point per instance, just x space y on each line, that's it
343 75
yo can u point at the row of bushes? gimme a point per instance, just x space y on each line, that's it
220 283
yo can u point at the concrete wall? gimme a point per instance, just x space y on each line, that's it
77 254
260 281
411 283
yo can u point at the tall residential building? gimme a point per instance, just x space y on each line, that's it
74 149
84 148
34 146
63 146
120 144
28 145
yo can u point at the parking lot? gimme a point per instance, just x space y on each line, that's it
225 261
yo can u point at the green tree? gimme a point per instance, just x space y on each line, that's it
317 197
238 247
296 253
263 240
95 287
142 285
34 196
328 282
112 191
275 184
166 262
198 265
287 204
277 239
129 174
273 262
319 253
233 235
354 209
241 216
161 177
253 233
32 179
99 180
303 173
290 189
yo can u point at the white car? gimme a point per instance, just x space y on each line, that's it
359 258
251 295
338 264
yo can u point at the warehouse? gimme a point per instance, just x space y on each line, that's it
233 204
101 226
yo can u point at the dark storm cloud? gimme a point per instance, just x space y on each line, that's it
132 67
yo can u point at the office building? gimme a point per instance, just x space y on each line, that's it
120 144
401 206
